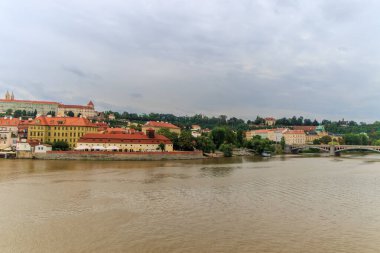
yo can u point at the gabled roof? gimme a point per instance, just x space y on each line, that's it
61 121
9 122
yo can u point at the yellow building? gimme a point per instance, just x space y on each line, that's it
51 129
295 137
157 125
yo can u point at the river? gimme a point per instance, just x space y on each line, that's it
313 204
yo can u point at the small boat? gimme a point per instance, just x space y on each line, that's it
266 154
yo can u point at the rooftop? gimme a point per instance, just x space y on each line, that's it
160 124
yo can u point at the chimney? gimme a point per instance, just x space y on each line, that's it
150 133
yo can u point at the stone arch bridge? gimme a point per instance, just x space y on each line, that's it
334 149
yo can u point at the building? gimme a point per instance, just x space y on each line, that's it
124 142
196 131
8 133
270 121
157 125
263 133
53 129
42 148
305 128
295 137
29 106
276 134
86 111
311 136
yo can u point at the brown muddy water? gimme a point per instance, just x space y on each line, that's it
314 204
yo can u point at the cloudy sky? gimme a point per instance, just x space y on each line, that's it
319 59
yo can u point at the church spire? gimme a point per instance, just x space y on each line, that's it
7 96
12 96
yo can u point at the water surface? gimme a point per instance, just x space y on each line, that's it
292 205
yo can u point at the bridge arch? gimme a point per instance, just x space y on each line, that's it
363 148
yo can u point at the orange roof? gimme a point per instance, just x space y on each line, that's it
262 131
160 124
305 128
138 137
115 130
61 121
9 121
29 101
295 132
270 118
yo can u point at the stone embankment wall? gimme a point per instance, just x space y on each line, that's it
119 156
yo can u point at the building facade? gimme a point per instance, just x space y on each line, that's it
53 129
295 137
44 107
124 142
86 111
29 106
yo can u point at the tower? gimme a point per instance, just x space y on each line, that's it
7 96
12 96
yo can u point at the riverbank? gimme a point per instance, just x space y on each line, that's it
119 156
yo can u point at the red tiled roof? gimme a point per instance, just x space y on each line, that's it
160 124
9 122
123 138
295 132
61 121
262 131
305 128
270 118
29 101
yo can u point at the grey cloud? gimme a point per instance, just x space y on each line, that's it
239 58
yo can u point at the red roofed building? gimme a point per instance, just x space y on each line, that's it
42 107
305 128
295 137
53 129
87 111
157 125
124 142
8 133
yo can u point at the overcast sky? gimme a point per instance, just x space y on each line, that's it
319 59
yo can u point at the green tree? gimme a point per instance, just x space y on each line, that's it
218 135
185 141
173 137
161 146
17 114
259 145
282 143
9 112
70 114
240 138
52 113
226 149
60 145
205 144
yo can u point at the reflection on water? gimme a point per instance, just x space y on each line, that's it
224 205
